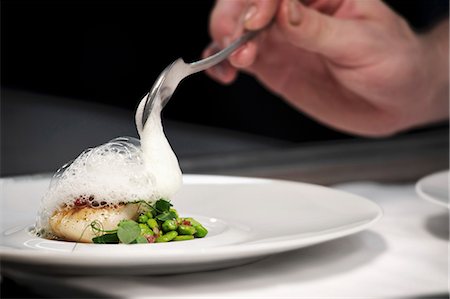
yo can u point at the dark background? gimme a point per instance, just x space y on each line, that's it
112 51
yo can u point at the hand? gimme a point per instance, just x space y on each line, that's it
354 65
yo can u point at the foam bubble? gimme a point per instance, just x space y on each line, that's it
106 175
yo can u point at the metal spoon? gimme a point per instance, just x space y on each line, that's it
172 75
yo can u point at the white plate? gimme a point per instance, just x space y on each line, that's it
247 219
434 188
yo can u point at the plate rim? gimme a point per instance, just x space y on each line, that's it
427 197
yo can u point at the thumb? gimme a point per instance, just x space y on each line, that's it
308 29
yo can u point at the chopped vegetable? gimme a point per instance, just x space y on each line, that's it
167 237
183 238
169 225
158 223
186 230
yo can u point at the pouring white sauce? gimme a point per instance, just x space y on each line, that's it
159 159
97 185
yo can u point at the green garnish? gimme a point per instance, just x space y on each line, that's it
128 231
141 239
159 222
162 205
106 239
166 216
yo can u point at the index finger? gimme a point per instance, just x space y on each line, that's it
225 19
259 13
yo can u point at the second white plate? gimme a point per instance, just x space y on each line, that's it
248 219
434 188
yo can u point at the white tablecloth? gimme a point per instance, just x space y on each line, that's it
404 255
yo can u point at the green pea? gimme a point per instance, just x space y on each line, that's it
186 230
145 230
152 223
183 238
167 237
169 225
142 219
201 231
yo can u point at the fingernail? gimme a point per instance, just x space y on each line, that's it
251 11
293 13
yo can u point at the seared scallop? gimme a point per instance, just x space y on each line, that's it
74 224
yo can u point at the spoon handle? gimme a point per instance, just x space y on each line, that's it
212 60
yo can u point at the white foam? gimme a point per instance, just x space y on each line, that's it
122 170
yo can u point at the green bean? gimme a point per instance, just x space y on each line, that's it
201 231
169 225
167 237
142 218
183 238
152 223
186 230
149 214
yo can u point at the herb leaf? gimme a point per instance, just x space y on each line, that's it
168 215
106 239
128 231
141 239
162 205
